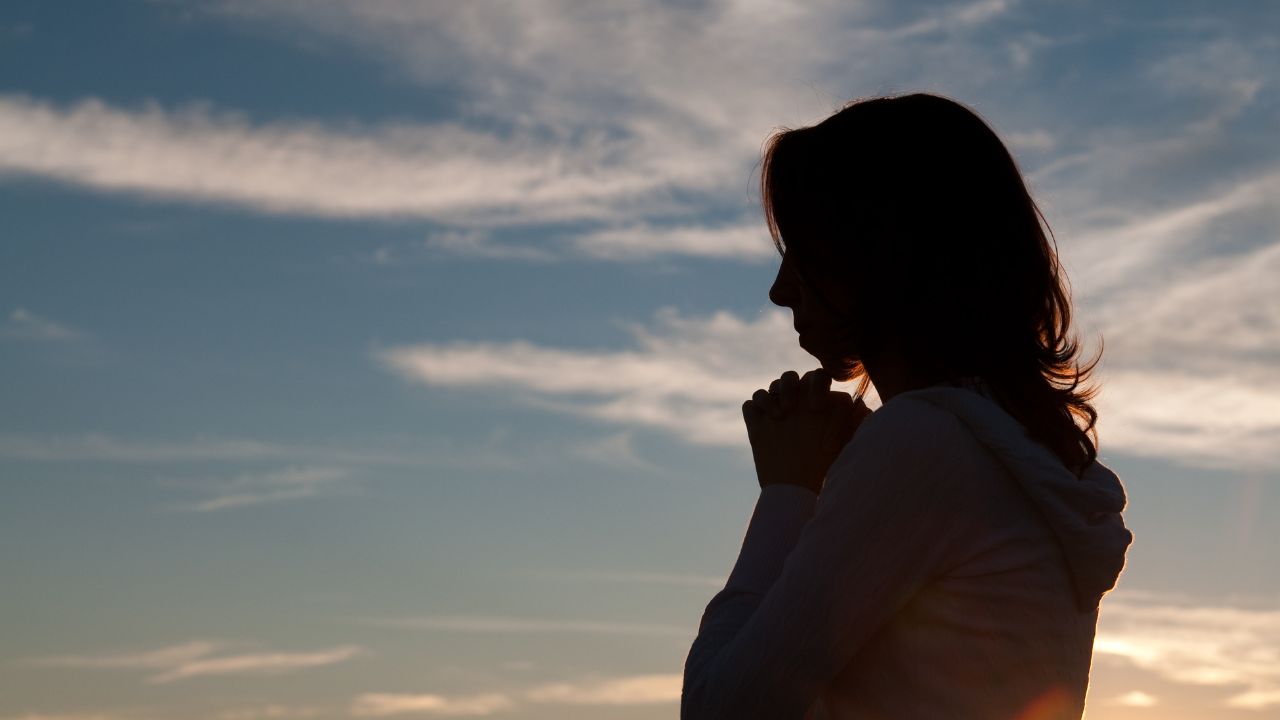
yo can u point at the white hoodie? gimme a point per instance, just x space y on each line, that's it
951 568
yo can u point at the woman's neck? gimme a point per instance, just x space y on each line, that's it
892 374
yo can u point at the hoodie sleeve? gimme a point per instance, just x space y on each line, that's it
818 575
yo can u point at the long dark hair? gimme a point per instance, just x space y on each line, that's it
914 207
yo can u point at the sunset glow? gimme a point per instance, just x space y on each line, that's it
385 359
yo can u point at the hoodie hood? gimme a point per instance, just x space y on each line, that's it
1084 512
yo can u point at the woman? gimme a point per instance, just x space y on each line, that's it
945 555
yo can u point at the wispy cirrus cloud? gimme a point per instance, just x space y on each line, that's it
613 450
444 171
1229 420
479 243
1222 77
1219 313
319 469
99 446
627 121
291 483
519 625
1115 255
632 690
388 704
272 711
630 121
161 658
1135 698
1185 300
739 241
65 716
204 658
687 376
634 576
1170 242
490 451
267 663
25 325
691 81
1235 648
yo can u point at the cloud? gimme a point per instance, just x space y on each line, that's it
691 80
1255 699
477 243
274 663
161 658
616 450
25 325
687 376
1031 141
633 690
1198 645
385 704
1135 698
495 451
1118 254
271 712
443 171
628 120
1220 75
63 716
740 241
102 447
638 577
198 659
469 243
1222 421
1220 312
1192 335
517 625
292 483
953 18
619 691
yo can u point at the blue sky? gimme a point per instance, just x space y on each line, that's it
384 359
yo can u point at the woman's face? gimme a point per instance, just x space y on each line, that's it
819 324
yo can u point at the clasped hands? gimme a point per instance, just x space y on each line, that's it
798 427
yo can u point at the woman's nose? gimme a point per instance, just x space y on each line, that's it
782 293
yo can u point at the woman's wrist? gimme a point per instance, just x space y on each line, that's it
779 517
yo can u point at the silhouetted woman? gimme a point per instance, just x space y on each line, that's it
945 555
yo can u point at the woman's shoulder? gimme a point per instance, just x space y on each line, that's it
907 433
914 463
912 420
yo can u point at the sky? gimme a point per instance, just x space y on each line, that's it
385 359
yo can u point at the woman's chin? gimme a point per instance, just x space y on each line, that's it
834 369
838 368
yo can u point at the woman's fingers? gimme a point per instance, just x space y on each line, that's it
785 389
767 403
791 392
816 384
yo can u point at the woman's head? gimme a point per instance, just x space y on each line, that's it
904 223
